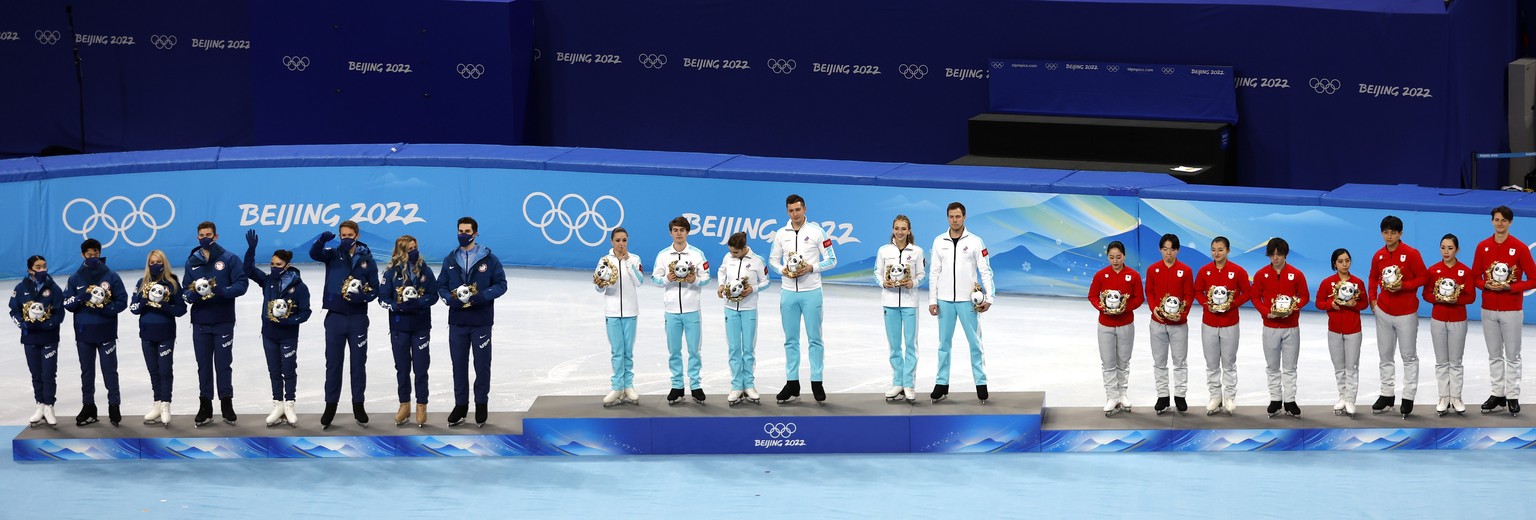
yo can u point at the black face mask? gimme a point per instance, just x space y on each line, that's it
278 271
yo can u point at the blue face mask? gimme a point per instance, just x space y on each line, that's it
93 262
465 239
412 256
40 275
278 271
346 244
155 270
205 242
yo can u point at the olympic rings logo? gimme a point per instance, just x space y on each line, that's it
471 70
588 215
46 37
913 71
779 430
1113 68
781 66
1050 66
296 63
997 64
163 41
1324 85
120 224
1167 71
653 61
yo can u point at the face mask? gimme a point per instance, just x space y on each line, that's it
39 275
93 262
205 242
155 270
346 243
278 271
412 256
465 240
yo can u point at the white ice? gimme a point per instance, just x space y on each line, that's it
549 340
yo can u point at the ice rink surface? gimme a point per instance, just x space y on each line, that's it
549 340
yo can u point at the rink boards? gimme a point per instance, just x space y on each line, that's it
1011 422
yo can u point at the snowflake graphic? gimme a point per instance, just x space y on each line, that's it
1027 267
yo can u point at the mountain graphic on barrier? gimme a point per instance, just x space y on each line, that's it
219 451
1512 443
1090 443
982 446
63 453
577 448
1385 442
1257 442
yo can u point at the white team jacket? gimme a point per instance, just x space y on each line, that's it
679 297
812 244
753 268
622 299
912 257
954 268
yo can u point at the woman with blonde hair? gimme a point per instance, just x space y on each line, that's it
156 304
409 290
899 269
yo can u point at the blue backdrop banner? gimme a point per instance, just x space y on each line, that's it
1119 90
1039 243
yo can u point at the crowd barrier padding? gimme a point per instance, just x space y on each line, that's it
1045 229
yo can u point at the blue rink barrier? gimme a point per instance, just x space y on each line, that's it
1045 229
752 433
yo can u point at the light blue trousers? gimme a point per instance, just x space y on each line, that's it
678 325
792 307
741 339
621 343
901 328
966 312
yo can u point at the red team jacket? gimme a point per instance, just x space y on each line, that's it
1405 301
1345 320
1234 278
1128 283
1268 285
1177 281
1459 273
1514 253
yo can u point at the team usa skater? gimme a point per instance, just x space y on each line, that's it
1116 293
959 288
351 281
1342 297
899 270
471 281
1449 288
1397 272
214 278
408 292
1503 267
801 252
618 279
742 275
284 305
95 295
157 305
37 308
681 270
1221 288
1171 291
